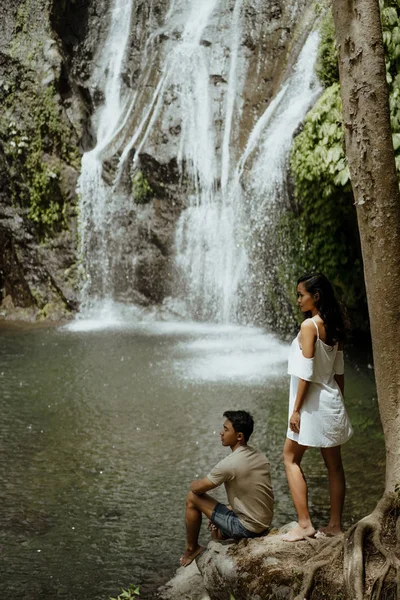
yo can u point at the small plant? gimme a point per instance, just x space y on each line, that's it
131 592
141 189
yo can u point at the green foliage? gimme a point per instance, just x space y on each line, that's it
390 16
129 594
141 189
319 149
35 149
327 62
324 231
22 17
321 231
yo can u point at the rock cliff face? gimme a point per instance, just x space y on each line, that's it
39 165
51 96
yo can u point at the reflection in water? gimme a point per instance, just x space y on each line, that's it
102 431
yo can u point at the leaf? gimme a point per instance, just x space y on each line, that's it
135 590
342 177
396 140
389 16
396 35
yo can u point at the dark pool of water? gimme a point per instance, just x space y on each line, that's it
102 431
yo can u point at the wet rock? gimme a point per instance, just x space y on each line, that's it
187 583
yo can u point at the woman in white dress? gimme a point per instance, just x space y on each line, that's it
317 415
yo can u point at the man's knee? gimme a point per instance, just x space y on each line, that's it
191 499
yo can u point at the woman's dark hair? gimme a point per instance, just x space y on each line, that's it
242 422
330 309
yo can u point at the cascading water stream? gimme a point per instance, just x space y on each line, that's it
95 210
209 254
216 240
185 71
272 142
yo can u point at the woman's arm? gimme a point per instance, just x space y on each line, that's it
340 378
340 382
308 337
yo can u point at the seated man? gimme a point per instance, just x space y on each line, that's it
246 476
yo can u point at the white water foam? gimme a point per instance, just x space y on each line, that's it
203 352
245 354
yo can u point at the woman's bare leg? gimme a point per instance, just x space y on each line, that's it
292 455
337 488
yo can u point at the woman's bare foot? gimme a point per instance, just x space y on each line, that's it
189 556
329 531
298 533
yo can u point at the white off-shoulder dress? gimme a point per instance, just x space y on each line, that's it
323 417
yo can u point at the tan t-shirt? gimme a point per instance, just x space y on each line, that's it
246 475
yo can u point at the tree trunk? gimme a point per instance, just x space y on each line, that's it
369 150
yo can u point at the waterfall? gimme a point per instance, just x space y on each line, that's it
209 252
265 163
186 71
198 86
96 212
272 137
219 242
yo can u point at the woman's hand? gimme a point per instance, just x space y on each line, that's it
294 422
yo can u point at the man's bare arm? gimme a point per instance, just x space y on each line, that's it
201 486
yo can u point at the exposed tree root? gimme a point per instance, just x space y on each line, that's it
376 591
354 549
327 554
376 538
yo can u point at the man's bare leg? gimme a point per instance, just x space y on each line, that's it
217 535
195 507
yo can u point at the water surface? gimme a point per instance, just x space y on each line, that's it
103 428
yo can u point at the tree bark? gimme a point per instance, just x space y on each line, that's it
369 150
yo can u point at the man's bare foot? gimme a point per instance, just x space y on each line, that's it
189 556
298 533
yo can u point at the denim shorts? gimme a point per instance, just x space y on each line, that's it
229 524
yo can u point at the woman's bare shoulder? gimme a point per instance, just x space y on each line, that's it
308 331
307 325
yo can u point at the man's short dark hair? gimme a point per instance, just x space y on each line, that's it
242 422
